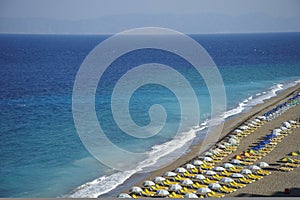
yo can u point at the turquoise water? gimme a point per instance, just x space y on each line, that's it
41 153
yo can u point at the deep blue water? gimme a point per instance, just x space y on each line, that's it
41 154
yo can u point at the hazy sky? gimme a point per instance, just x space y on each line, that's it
134 13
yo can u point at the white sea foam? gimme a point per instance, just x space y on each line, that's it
107 183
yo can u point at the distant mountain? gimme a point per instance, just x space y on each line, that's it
193 23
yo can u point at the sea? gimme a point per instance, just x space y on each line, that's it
41 153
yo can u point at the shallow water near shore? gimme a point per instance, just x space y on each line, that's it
41 153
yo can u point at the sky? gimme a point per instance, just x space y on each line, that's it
111 16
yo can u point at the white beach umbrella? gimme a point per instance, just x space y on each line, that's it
244 127
292 122
180 170
226 144
124 195
226 180
207 159
219 169
162 193
210 172
197 162
237 175
263 164
186 182
233 136
256 120
136 190
191 196
170 174
254 167
283 128
158 179
221 146
227 165
208 153
214 186
261 117
189 166
148 183
286 124
199 177
232 141
175 188
235 161
203 191
246 171
276 130
237 131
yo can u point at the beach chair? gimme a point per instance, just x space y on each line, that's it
209 181
198 185
263 172
148 193
293 165
237 185
180 178
207 167
176 196
215 194
195 170
255 177
234 170
159 187
217 177
246 180
189 175
227 190
185 190
286 169
168 182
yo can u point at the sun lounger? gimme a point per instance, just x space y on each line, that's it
256 177
209 181
198 185
176 196
286 169
245 180
293 165
262 172
227 190
148 193
215 195
237 185
185 190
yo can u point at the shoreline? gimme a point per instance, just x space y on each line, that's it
228 126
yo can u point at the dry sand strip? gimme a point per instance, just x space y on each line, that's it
271 185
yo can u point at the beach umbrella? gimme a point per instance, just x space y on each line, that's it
244 127
136 190
175 188
237 175
246 171
186 182
189 166
197 162
254 167
232 141
203 191
227 165
208 153
158 179
219 169
226 144
233 136
270 136
277 130
199 177
124 195
180 170
210 172
191 196
237 157
294 153
148 183
263 164
207 159
292 122
226 180
256 120
214 186
283 128
286 124
251 151
237 131
170 174
162 193
261 117
221 146
235 161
